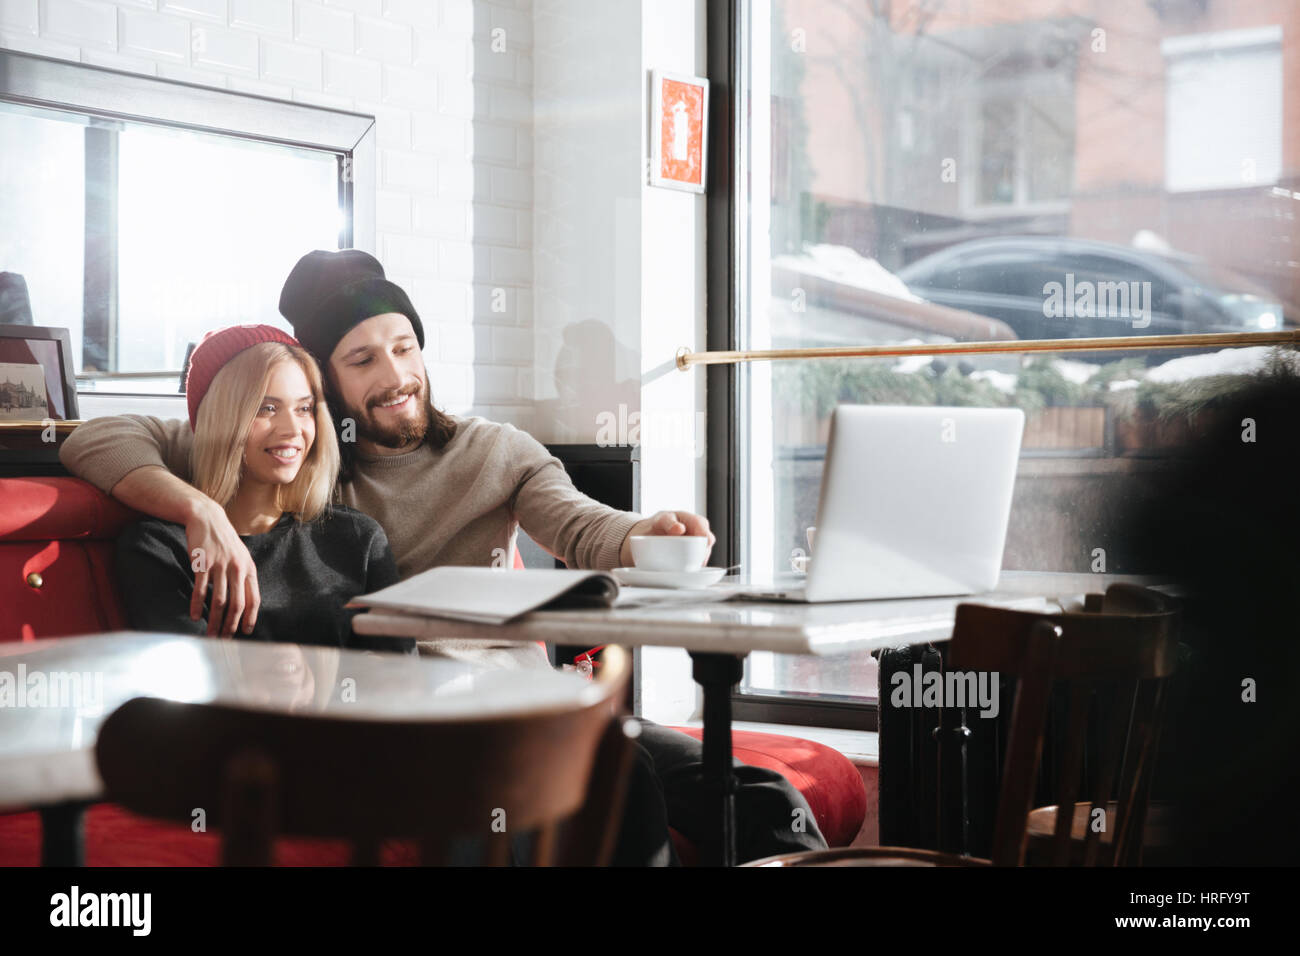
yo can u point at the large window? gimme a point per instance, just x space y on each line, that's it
928 171
148 213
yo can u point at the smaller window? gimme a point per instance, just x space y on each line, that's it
1230 83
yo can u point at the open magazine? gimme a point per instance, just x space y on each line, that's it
498 595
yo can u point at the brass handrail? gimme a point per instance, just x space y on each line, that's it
686 358
60 425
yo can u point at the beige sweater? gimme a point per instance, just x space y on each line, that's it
460 505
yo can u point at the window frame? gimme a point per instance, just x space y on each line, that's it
113 95
726 239
974 133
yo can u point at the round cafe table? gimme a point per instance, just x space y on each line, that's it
55 693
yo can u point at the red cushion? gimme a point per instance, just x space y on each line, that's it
61 529
117 837
828 780
42 509
77 592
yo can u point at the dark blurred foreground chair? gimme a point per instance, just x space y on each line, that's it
1113 660
558 775
1119 692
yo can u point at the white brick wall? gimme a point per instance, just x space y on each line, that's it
450 85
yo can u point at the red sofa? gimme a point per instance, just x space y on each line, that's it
56 565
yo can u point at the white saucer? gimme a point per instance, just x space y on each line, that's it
641 578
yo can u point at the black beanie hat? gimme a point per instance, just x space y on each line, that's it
329 293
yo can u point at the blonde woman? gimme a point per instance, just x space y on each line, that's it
265 450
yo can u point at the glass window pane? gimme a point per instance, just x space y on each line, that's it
138 239
209 228
925 172
42 221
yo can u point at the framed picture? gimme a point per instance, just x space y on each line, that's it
38 398
679 128
37 383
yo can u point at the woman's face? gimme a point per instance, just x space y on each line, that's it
283 429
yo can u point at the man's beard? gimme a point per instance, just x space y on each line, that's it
399 434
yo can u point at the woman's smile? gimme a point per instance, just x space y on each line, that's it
285 453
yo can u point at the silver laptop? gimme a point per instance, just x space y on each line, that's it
914 503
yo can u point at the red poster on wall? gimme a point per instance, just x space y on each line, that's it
679 130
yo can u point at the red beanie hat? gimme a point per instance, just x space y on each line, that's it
218 348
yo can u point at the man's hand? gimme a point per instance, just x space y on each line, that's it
666 522
217 556
220 559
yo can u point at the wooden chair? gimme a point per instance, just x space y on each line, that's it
1122 692
1114 658
559 775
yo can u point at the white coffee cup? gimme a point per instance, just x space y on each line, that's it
669 552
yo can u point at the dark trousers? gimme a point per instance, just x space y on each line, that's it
666 789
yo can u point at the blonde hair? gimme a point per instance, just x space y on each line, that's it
225 419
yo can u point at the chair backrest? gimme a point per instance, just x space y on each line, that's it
1113 660
259 774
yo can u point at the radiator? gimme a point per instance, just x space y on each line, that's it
940 768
